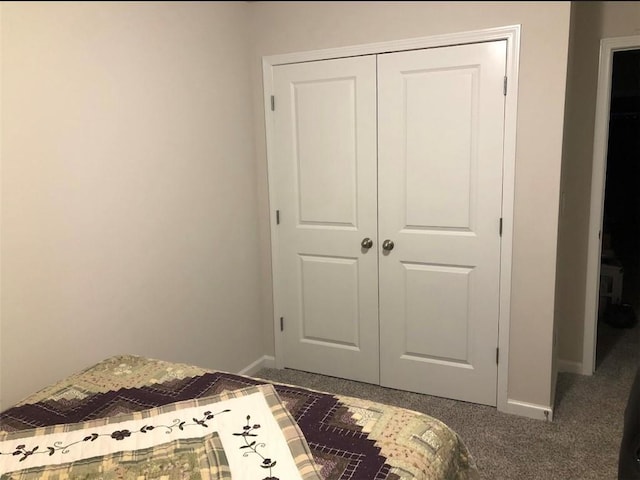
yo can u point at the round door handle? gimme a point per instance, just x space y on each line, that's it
388 245
366 243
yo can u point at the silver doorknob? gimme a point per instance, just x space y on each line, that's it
366 243
387 245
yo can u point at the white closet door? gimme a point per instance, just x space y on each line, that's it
325 137
441 115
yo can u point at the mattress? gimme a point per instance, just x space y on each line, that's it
133 399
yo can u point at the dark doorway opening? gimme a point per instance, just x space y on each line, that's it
620 255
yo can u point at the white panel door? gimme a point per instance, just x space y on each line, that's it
440 128
325 169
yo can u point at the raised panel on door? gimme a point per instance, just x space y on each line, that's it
441 114
325 165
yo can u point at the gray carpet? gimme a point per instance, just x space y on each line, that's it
581 443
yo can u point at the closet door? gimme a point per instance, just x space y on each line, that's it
325 184
441 115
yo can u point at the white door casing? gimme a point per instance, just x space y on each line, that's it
325 138
440 150
511 34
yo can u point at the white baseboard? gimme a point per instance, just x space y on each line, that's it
569 366
530 410
266 361
515 407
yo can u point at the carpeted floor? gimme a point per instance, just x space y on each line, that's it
581 443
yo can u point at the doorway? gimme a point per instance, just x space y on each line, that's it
619 289
612 110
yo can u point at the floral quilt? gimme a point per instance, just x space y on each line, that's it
245 433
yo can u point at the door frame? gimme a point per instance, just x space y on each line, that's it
509 33
608 46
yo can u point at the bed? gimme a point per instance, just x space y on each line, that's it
135 417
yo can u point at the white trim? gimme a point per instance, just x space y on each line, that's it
1 116
600 139
486 35
266 361
509 33
530 410
508 196
267 80
554 384
569 366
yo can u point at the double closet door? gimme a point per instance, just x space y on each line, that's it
387 174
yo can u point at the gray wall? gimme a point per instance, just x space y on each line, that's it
129 210
281 27
134 202
592 21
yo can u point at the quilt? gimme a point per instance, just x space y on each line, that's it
348 438
244 433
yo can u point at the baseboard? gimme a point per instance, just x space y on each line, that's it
569 366
266 361
530 410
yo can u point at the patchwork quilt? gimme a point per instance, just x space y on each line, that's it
128 401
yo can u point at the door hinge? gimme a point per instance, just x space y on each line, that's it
282 324
500 227
273 102
504 88
497 355
277 217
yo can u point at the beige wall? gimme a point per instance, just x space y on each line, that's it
281 27
592 22
620 19
576 178
128 188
